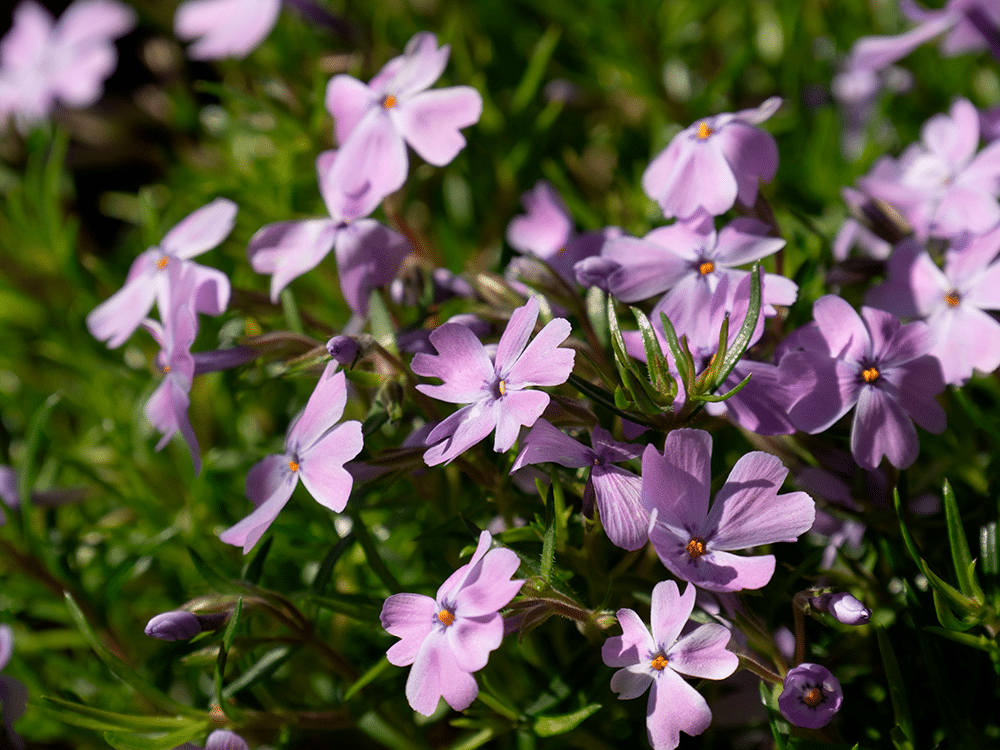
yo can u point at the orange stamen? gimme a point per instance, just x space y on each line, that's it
870 374
446 617
706 268
389 102
695 548
704 131
659 662
813 698
162 262
293 466
952 298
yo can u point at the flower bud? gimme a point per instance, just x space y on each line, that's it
343 349
180 625
810 697
595 271
223 739
844 608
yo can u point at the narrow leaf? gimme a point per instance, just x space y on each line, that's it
960 554
78 715
123 741
897 685
722 397
550 726
263 669
911 546
367 678
742 341
549 540
255 568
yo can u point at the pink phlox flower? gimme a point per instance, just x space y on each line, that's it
375 121
953 301
655 658
13 693
167 408
972 25
875 362
942 185
148 280
316 449
225 28
616 491
368 253
714 162
220 739
546 231
686 260
448 637
854 234
43 60
810 696
696 543
496 392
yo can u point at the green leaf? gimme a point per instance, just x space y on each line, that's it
960 553
124 672
911 546
263 669
963 604
535 71
981 642
220 664
682 359
989 550
322 578
550 726
897 685
26 469
722 397
549 540
78 715
742 341
367 678
946 617
381 323
767 698
255 568
212 575
123 741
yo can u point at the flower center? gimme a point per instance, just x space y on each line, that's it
706 268
162 262
502 387
659 662
166 369
870 374
952 298
446 617
814 697
389 102
704 131
695 548
293 465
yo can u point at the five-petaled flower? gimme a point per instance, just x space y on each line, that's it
448 637
811 696
496 393
316 450
656 660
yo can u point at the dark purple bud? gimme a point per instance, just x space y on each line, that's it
180 625
594 271
343 349
223 739
848 610
811 696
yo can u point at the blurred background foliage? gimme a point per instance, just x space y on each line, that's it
582 94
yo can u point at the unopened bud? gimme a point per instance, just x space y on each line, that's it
844 608
223 739
181 625
343 349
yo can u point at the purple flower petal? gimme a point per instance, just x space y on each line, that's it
322 468
702 653
487 587
115 319
167 411
669 612
373 156
629 684
517 409
430 121
225 28
201 230
223 739
881 428
348 100
543 362
369 255
516 334
811 696
842 328
269 485
648 267
324 408
545 443
461 362
674 707
752 154
409 617
618 494
6 645
435 674
460 431
547 225
632 646
288 249
471 639
421 64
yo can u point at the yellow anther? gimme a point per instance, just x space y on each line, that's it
389 102
870 374
813 698
166 369
293 466
706 268
704 131
597 461
695 548
502 387
162 262
952 298
659 662
446 617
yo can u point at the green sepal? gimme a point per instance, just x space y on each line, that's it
742 341
682 359
722 397
664 384
946 617
969 608
981 642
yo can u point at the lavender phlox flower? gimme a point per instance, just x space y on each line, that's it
942 185
810 696
696 543
844 607
13 693
148 280
167 408
419 341
953 301
595 271
854 234
43 60
220 739
972 24
225 28
546 231
496 392
448 637
375 121
654 659
686 260
871 360
714 162
856 90
989 124
316 449
615 490
368 253
182 625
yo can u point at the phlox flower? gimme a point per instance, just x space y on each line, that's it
871 360
810 696
972 25
615 490
686 260
496 392
167 408
148 280
546 231
13 693
316 450
696 543
375 121
714 162
448 637
220 739
942 185
43 60
368 254
654 659
953 301
225 28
